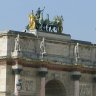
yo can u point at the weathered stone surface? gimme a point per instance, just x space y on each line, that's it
3 78
60 51
86 89
57 46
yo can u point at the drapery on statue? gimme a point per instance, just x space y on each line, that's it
76 52
17 43
32 24
57 23
60 24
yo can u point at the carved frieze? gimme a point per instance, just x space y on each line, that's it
54 75
85 89
27 85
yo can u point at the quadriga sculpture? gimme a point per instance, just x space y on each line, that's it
38 22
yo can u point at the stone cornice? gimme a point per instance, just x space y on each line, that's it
13 33
49 65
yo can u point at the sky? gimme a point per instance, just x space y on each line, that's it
79 15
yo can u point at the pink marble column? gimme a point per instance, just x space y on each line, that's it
16 91
42 89
42 73
76 88
94 85
17 69
76 77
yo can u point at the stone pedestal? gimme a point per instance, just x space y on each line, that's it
42 74
33 32
17 69
76 76
16 54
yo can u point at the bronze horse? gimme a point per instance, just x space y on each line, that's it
45 24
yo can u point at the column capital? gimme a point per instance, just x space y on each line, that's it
76 75
42 71
94 77
17 68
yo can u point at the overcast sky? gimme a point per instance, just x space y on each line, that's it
79 15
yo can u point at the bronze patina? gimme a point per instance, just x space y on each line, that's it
36 21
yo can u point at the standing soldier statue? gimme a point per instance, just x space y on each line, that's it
42 48
76 53
17 43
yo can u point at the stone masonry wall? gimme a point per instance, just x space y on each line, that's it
58 50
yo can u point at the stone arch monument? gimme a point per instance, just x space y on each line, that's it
25 70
